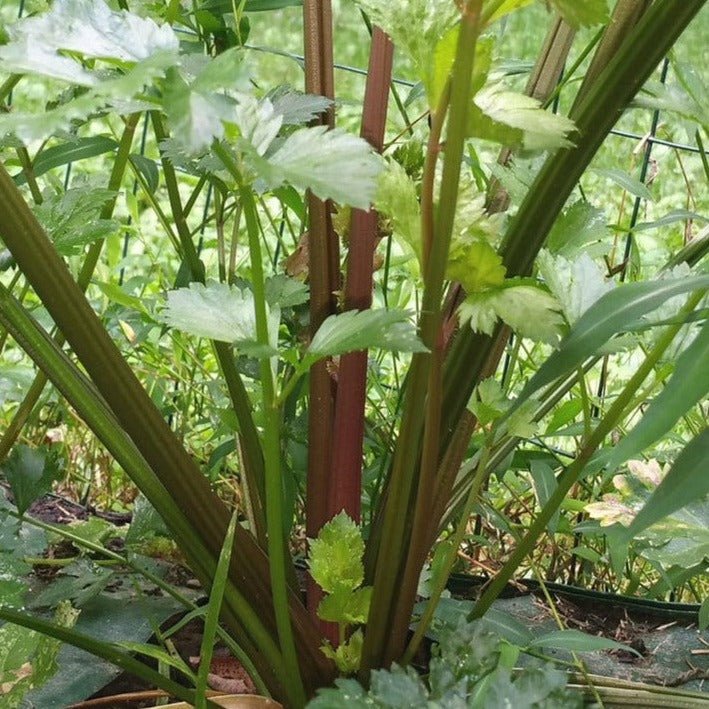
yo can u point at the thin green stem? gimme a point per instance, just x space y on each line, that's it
567 479
28 170
8 85
109 651
577 661
272 458
241 403
271 440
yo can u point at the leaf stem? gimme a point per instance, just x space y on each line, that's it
277 551
455 542
272 458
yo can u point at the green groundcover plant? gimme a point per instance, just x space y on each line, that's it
480 279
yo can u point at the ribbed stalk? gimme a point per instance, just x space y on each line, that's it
348 434
624 17
386 633
85 274
324 276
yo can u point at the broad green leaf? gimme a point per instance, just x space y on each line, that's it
505 625
295 107
680 541
606 317
148 169
488 402
688 385
521 423
472 219
345 692
676 215
66 153
286 292
397 199
544 482
224 73
582 13
507 6
79 582
157 653
671 97
258 122
71 218
564 414
527 309
397 687
27 658
693 81
543 686
475 265
195 118
313 158
116 294
93 530
416 27
577 226
443 58
517 176
116 92
360 330
626 181
217 311
514 119
576 284
30 473
14 575
200 96
576 641
587 553
336 555
37 126
38 44
347 657
15 378
145 525
686 482
291 198
432 573
346 605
